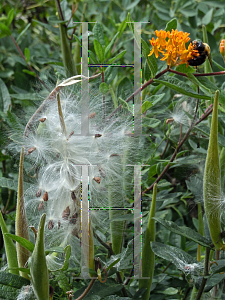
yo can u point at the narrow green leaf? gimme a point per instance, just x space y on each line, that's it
99 51
22 241
98 34
151 60
27 54
181 87
108 48
29 72
10 248
5 31
4 96
110 74
118 56
186 232
172 24
10 17
122 27
23 32
93 57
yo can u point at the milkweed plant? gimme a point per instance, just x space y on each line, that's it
77 212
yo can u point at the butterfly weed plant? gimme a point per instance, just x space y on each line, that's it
76 213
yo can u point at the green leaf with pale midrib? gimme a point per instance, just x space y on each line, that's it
185 231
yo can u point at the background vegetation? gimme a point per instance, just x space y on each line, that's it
31 63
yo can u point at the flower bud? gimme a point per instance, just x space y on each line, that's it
222 48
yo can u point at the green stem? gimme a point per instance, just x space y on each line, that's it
10 248
21 220
148 256
212 182
68 60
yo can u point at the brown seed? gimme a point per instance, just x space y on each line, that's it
30 150
73 196
42 120
50 224
92 115
59 224
41 206
97 179
45 196
168 121
66 213
98 135
114 155
38 194
73 220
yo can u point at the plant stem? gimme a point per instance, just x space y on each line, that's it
21 220
139 90
87 289
206 273
61 118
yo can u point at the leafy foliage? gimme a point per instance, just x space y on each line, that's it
31 65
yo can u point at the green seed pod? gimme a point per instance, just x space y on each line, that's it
148 256
38 266
212 181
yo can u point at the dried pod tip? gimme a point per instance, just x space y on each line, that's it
66 213
41 206
168 121
38 194
45 196
42 120
50 224
97 135
97 179
30 150
92 115
73 196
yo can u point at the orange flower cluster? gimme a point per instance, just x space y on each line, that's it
170 46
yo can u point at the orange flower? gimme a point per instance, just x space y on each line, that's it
171 47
